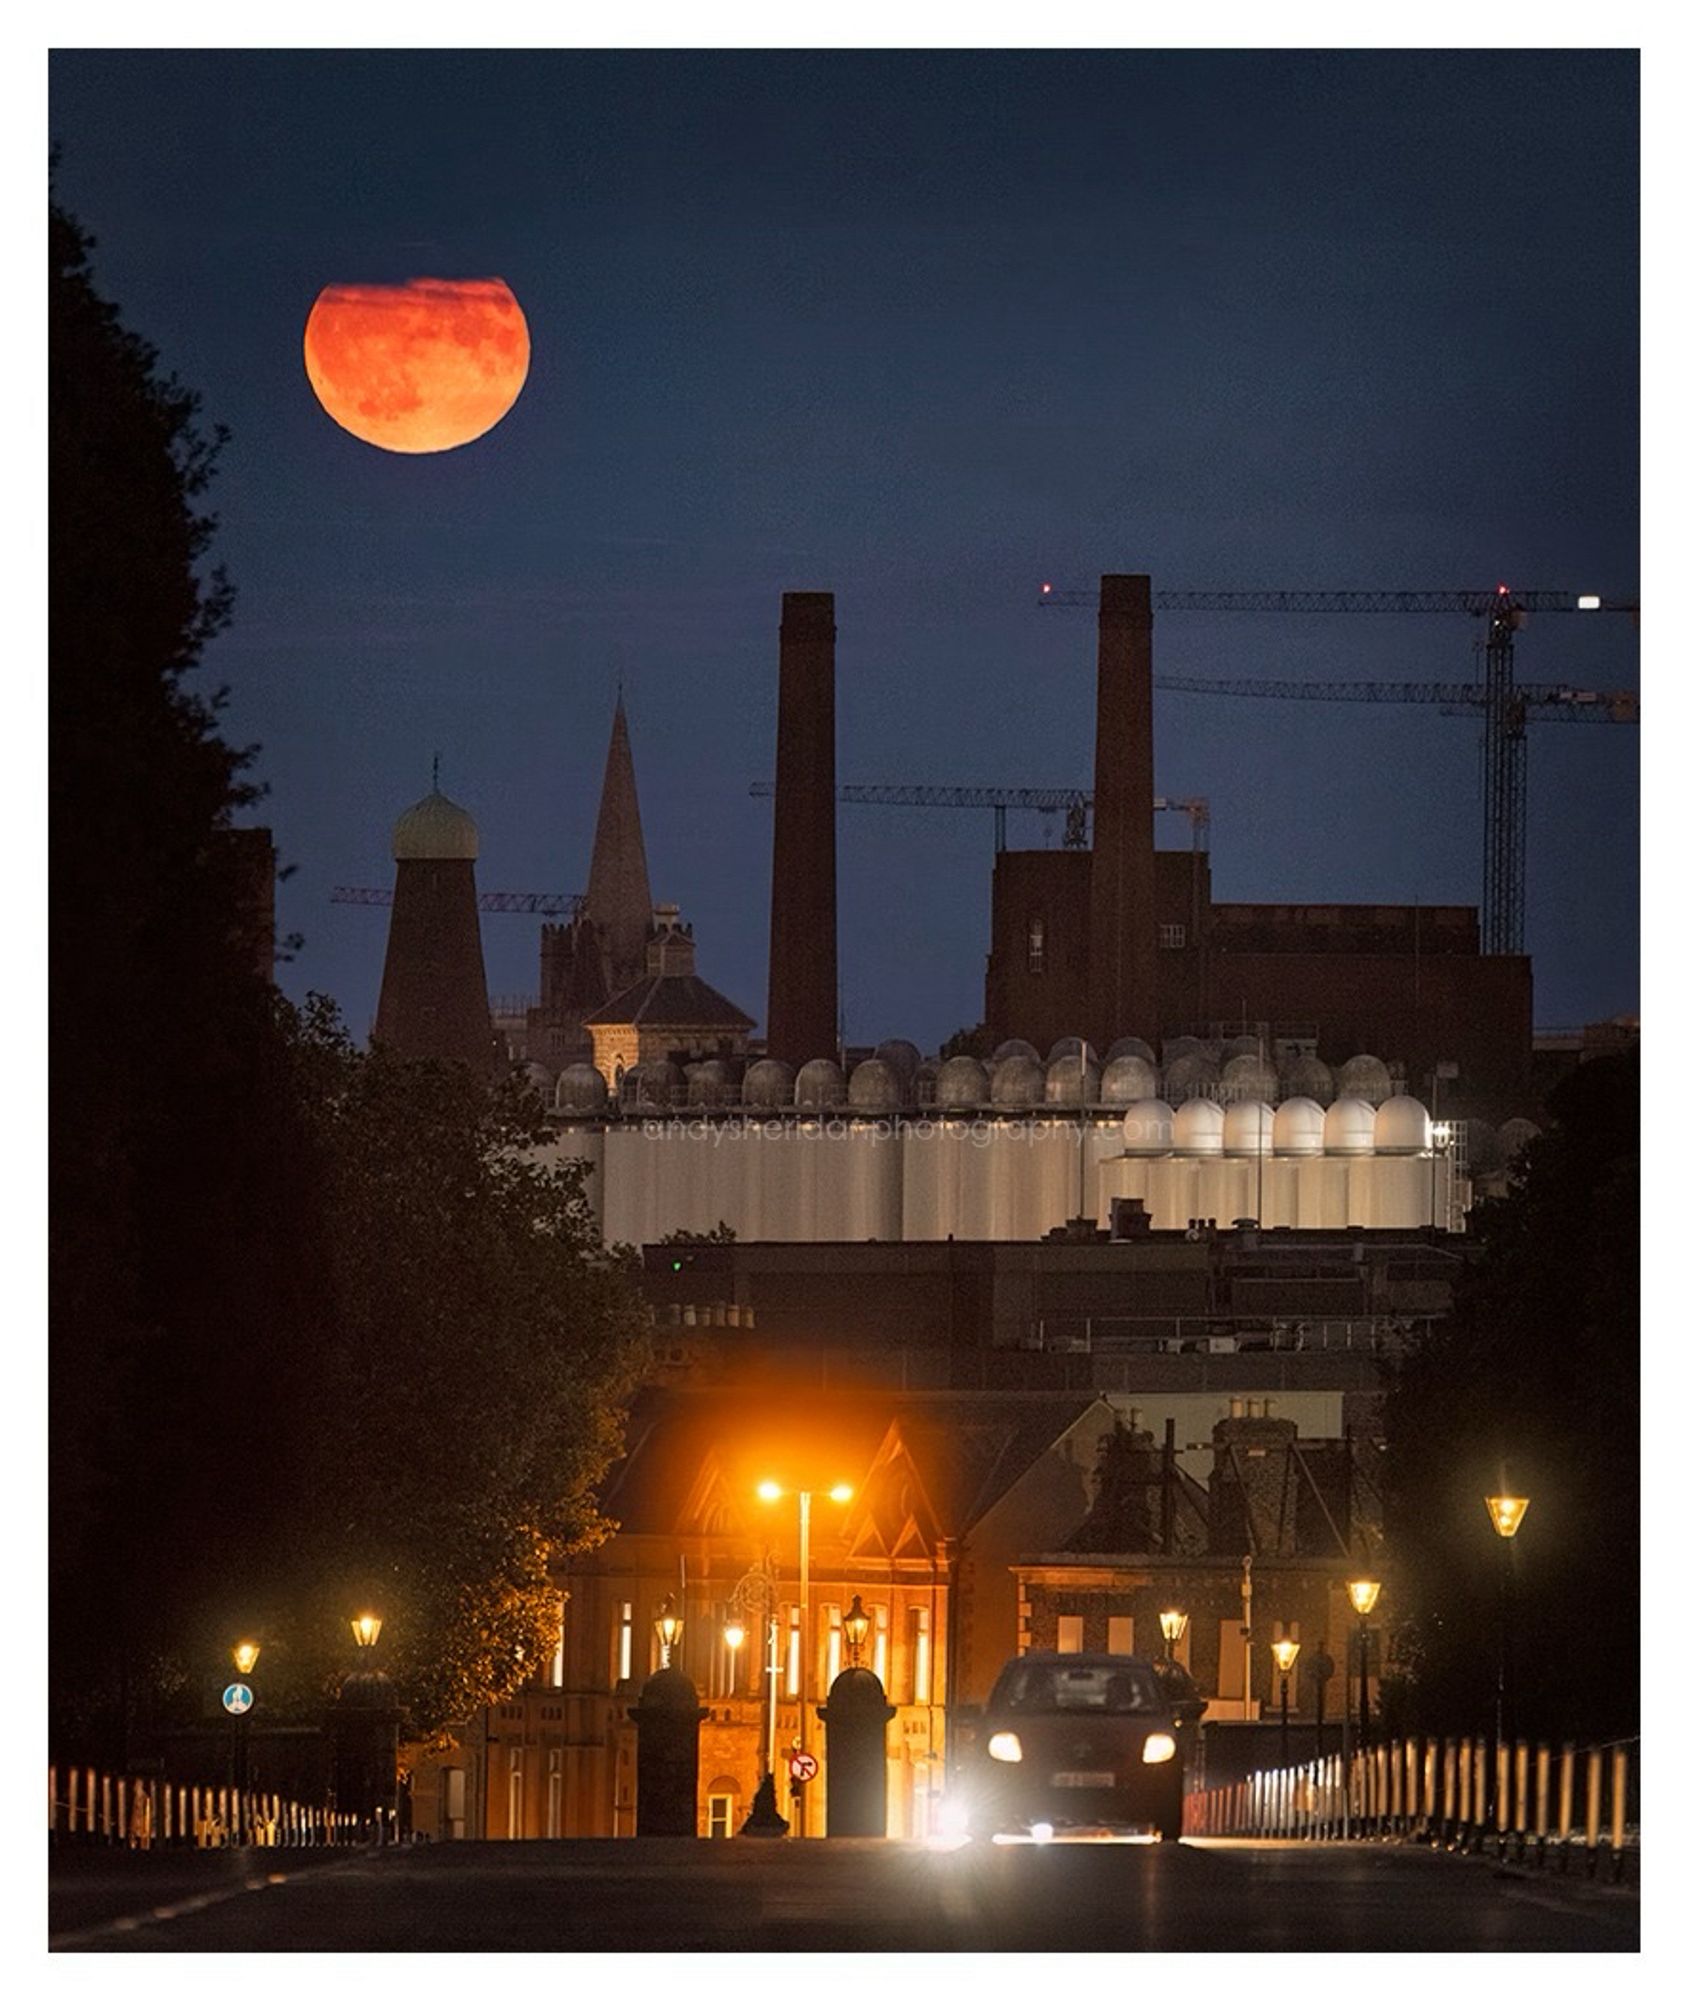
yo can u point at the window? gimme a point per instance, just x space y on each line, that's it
794 1653
725 1680
1172 937
513 1817
1069 1635
452 1806
621 1665
1122 1635
920 1652
721 1804
553 1795
1230 1686
1036 1688
834 1644
882 1643
555 1677
1034 945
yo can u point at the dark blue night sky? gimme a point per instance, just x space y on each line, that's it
922 330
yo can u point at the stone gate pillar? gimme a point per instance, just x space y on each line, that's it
855 1716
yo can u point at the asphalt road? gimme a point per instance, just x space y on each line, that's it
743 1895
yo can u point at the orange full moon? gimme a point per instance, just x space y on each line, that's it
424 366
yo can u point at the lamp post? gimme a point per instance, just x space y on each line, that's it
770 1491
1363 1594
1284 1651
245 1658
1506 1513
756 1593
668 1626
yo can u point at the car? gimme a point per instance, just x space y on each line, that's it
1076 1742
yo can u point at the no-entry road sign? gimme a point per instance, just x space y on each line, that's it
803 1765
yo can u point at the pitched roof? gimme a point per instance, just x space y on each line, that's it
667 999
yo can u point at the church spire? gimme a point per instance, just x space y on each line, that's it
618 890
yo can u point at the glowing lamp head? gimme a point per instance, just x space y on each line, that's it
1173 1624
842 1493
1285 1651
1159 1748
245 1656
1507 1511
734 1635
856 1622
1363 1594
668 1625
769 1491
366 1628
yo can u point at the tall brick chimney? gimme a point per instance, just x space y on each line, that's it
433 986
803 934
1123 997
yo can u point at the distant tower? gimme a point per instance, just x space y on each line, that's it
1123 936
433 988
618 890
803 932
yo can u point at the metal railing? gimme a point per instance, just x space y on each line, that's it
1574 1809
93 1807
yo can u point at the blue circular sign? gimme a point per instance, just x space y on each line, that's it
237 1697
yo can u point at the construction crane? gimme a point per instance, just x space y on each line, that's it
1068 799
501 902
1496 699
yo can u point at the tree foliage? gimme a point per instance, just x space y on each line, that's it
1532 1384
328 1331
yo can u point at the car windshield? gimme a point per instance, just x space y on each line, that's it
1055 1687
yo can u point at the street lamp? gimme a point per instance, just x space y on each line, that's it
1284 1652
1173 1625
366 1629
770 1491
669 1626
1506 1515
245 1656
856 1624
1363 1595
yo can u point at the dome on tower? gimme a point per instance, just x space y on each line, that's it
435 829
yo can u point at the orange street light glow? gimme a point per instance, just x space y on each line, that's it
1507 1511
1363 1595
770 1490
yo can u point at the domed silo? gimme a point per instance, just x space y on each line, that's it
1248 1130
1071 1045
903 1058
1298 1129
1129 1045
1514 1135
924 1088
1128 1079
1198 1129
581 1088
1349 1127
767 1085
1367 1077
1306 1076
874 1087
707 1083
1403 1126
1148 1128
1189 1076
1013 1047
1018 1083
962 1084
651 1086
1241 1045
820 1085
1178 1046
1247 1076
1072 1081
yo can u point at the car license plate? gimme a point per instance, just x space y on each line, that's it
1085 1778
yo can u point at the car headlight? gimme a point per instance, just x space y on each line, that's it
1004 1746
1159 1748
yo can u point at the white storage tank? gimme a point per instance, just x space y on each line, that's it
1072 1079
1198 1129
1247 1076
820 1085
1298 1129
1149 1127
1367 1077
962 1084
1306 1076
1018 1082
1247 1130
1403 1126
1129 1079
768 1085
875 1086
1189 1076
1349 1126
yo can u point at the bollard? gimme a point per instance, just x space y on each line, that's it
1592 1814
1620 1787
1567 1785
667 1718
1503 1797
855 1715
1397 1789
1480 1791
1463 1818
1412 1775
1544 1776
1450 1788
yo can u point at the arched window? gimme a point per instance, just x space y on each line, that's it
722 1805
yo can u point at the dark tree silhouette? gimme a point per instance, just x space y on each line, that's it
1532 1383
